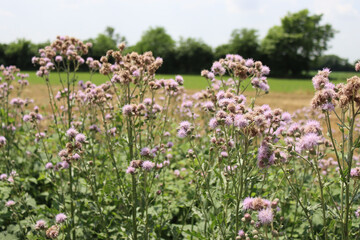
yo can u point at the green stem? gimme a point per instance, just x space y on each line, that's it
134 223
349 163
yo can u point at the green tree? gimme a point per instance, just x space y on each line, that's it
299 40
193 55
333 62
2 54
244 42
161 44
222 50
19 53
155 40
105 41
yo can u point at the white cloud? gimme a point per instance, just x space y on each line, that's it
5 13
335 9
243 6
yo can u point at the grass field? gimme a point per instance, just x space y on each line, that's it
288 94
196 82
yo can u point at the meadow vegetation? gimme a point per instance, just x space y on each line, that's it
123 153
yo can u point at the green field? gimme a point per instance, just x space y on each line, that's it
196 82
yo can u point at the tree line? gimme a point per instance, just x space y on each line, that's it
290 49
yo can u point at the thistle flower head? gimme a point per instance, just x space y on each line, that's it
266 216
81 138
147 165
40 225
71 132
10 203
60 218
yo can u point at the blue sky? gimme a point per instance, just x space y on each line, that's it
210 20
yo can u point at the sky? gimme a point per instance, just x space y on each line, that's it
209 20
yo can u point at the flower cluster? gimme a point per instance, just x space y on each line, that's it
328 95
185 128
92 94
265 210
72 152
135 164
240 69
129 68
64 47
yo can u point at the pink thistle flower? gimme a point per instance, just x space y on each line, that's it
49 165
185 125
40 224
147 165
72 132
26 118
312 126
2 141
63 153
147 101
355 172
241 233
64 164
224 154
169 144
182 133
145 151
210 75
179 79
328 107
60 218
266 216
247 203
11 179
136 73
10 203
249 62
228 121
81 138
357 213
265 70
319 81
264 86
130 170
213 123
209 106
89 60
76 156
357 66
3 176
127 110
240 121
58 58
217 68
286 117
309 141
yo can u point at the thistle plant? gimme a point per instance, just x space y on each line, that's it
139 157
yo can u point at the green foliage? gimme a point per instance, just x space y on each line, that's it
155 40
334 62
139 158
19 53
244 42
192 55
289 49
105 41
161 44
299 40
